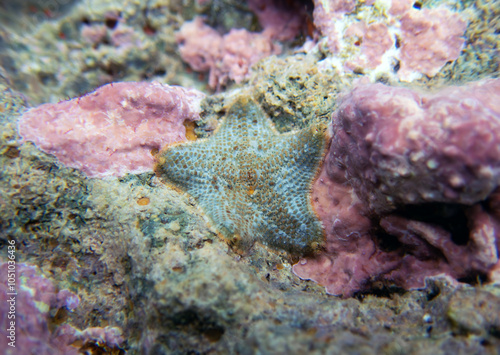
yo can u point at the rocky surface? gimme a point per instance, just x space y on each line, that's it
150 272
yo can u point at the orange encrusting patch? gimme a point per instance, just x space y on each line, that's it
190 126
154 151
143 201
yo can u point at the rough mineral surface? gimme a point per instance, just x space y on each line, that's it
61 49
112 130
375 40
251 181
141 258
34 296
326 13
295 91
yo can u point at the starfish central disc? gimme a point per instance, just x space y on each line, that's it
253 182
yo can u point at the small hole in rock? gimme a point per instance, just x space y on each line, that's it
111 23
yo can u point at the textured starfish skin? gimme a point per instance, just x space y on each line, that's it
253 182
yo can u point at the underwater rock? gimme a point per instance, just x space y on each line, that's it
398 146
35 297
87 45
402 188
474 312
374 41
112 131
108 338
326 14
227 57
396 40
294 91
281 20
145 263
429 39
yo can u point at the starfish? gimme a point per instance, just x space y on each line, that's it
253 182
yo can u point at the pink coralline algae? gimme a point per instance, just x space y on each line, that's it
401 147
421 41
113 130
410 189
281 20
94 34
374 41
35 296
36 300
227 57
326 11
326 14
429 39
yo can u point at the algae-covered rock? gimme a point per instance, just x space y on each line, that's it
295 91
476 312
145 263
91 44
149 271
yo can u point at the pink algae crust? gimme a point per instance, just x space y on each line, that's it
400 7
281 20
402 147
326 13
394 149
112 131
227 57
34 296
374 40
429 38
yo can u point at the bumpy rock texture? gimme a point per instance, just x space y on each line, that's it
282 20
229 54
145 264
429 39
295 91
252 182
61 49
152 276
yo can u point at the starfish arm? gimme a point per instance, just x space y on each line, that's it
244 122
302 153
289 169
185 166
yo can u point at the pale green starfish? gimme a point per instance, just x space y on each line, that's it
253 182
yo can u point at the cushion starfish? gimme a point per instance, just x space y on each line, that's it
253 182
